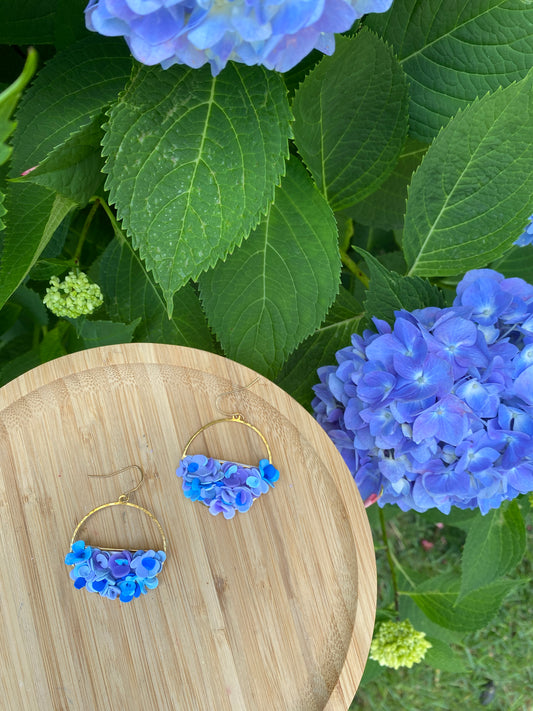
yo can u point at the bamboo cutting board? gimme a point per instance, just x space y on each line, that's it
272 610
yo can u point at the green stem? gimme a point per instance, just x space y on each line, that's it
370 239
354 269
390 560
109 212
402 570
347 237
85 230
348 261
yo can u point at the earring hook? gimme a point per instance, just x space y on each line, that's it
233 391
125 496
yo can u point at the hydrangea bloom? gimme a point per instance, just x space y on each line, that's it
437 411
113 574
527 235
275 33
398 644
73 297
226 487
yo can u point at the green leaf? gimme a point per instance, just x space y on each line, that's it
27 22
8 318
442 656
72 89
74 169
32 303
466 206
9 99
35 216
104 333
2 210
299 373
193 161
455 51
72 24
517 262
385 208
371 672
460 518
389 291
495 544
43 269
130 292
19 365
52 344
438 598
22 356
351 119
409 610
276 289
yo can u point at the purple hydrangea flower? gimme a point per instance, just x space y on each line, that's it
437 411
527 235
274 33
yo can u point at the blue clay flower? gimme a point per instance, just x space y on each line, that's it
100 563
269 473
224 486
79 552
437 410
218 506
274 33
147 564
111 592
119 564
82 573
243 498
129 588
116 574
100 586
256 483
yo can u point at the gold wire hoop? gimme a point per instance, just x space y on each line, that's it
235 417
121 501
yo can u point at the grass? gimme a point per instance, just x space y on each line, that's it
498 660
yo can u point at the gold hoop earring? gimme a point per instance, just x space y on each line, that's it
115 572
223 485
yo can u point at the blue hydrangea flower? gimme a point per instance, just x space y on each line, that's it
527 235
274 33
225 487
437 411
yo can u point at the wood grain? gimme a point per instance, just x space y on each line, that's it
271 610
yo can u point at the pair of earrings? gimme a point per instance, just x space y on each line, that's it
222 485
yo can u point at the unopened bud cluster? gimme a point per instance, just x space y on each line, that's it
398 644
74 296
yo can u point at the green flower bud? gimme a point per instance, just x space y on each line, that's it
398 644
73 297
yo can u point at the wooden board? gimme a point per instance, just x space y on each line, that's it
271 610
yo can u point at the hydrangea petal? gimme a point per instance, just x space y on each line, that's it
276 34
456 428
